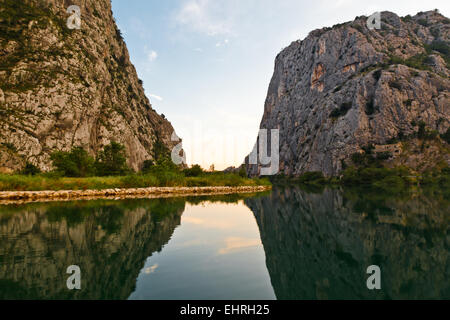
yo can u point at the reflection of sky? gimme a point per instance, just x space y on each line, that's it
216 253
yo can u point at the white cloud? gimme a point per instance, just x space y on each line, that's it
156 97
152 55
204 16
222 43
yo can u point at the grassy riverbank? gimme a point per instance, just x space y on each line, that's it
162 179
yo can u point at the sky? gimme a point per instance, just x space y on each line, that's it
206 64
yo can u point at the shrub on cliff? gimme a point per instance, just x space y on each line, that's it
446 136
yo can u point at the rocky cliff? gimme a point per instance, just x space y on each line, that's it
61 88
345 87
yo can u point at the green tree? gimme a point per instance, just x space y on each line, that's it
76 163
194 171
446 136
422 130
243 172
147 166
112 160
160 150
30 169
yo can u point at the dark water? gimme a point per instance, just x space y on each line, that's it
286 244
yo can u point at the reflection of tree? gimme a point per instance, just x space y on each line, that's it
109 241
318 246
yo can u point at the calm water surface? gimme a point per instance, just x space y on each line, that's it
286 244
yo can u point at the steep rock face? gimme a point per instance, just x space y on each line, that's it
61 88
346 87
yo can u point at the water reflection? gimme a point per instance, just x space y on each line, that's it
318 245
286 244
109 240
185 248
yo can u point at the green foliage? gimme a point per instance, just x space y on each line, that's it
426 134
76 163
194 171
419 61
147 166
159 177
384 155
442 48
423 22
112 161
446 136
437 176
160 150
368 149
243 172
30 169
359 158
378 177
314 177
10 146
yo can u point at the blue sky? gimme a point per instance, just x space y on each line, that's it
206 64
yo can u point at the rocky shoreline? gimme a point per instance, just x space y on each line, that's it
8 197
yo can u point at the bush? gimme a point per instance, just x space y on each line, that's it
112 161
243 172
358 158
422 130
30 170
446 136
194 171
314 177
371 175
384 155
76 163
147 166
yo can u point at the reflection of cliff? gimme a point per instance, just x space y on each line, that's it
319 246
108 240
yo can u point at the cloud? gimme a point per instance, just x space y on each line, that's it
204 16
151 269
222 43
156 97
152 55
236 243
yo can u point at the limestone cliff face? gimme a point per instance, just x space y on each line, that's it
345 87
61 88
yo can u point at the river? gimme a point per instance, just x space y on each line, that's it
288 244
